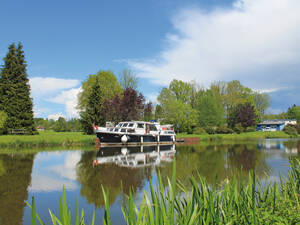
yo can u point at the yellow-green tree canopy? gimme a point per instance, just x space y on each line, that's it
108 83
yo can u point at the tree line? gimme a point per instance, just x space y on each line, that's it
224 107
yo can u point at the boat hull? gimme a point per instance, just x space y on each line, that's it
115 138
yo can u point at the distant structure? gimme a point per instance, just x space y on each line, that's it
274 125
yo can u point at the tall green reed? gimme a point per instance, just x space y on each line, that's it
232 202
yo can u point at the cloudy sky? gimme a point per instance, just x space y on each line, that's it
254 41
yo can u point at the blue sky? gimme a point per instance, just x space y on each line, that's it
255 41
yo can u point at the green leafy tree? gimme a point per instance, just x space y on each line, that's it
262 101
128 80
209 109
60 125
15 98
293 113
109 88
177 103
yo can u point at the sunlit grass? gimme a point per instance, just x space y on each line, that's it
243 136
232 202
46 138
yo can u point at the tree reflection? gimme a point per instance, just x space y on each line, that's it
15 177
112 177
211 161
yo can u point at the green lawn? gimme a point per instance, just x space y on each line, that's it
243 136
51 139
47 139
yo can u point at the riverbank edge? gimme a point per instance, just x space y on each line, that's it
73 140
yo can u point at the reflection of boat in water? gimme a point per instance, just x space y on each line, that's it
138 156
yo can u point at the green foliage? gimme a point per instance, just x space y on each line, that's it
250 129
234 93
238 128
224 130
210 130
290 130
294 113
176 104
234 202
128 80
209 109
15 98
60 125
3 119
108 84
199 130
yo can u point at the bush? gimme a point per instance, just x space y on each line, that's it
210 130
250 129
290 130
199 130
238 128
224 130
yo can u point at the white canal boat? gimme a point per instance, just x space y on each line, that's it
136 133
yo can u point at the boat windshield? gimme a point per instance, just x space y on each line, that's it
125 124
130 125
120 124
140 125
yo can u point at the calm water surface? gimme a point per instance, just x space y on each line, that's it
43 174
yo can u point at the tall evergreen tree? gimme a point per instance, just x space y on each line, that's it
15 91
92 114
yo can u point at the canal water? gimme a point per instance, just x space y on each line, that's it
118 170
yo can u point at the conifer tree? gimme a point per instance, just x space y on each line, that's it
15 98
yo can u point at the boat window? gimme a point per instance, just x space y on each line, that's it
120 124
140 125
111 129
123 130
153 128
125 124
116 129
130 125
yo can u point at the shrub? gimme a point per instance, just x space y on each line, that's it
210 130
238 128
290 130
250 129
199 130
224 130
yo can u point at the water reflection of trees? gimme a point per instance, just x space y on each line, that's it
112 177
15 177
221 161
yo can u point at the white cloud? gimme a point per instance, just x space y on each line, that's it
69 99
255 41
46 85
68 169
41 183
54 90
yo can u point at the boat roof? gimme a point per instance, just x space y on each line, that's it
138 122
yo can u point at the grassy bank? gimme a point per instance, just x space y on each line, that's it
46 139
232 202
239 137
